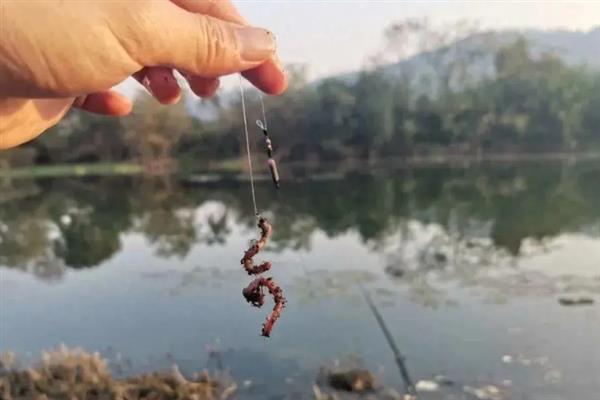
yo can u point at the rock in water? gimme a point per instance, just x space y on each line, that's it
352 380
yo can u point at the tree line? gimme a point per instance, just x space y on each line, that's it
480 98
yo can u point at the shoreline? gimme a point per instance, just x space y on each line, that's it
230 168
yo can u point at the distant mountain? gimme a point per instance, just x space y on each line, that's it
573 47
579 48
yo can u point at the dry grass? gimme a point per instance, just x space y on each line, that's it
77 375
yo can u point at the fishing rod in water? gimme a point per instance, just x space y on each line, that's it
409 387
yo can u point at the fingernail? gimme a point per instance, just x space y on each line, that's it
256 44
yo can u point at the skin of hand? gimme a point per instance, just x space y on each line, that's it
55 54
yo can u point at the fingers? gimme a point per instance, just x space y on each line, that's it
105 103
161 83
203 87
268 77
199 44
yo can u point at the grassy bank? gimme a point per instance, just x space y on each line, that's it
72 170
236 166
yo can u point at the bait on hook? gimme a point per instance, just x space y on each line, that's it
254 292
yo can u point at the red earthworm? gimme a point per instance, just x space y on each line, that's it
265 232
254 291
254 295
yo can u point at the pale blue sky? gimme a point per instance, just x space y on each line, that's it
333 36
336 36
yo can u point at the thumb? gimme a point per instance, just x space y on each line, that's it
198 44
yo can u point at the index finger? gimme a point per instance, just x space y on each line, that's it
268 77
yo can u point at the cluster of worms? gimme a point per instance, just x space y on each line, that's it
254 292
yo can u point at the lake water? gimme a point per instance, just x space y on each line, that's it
466 265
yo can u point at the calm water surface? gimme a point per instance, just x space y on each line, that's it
466 265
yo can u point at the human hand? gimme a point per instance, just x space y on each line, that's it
55 54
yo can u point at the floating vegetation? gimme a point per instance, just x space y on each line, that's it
323 284
576 301
485 392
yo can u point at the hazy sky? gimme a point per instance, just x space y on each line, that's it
333 36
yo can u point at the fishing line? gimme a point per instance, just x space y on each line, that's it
256 214
262 106
269 145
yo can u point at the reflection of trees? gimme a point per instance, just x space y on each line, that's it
427 257
26 237
167 218
429 260
218 229
79 222
85 244
90 215
23 239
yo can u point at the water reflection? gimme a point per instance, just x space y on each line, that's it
427 259
466 265
48 225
